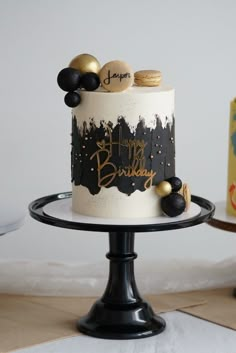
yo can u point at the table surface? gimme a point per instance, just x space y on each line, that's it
184 334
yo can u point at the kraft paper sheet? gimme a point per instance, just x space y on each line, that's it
220 307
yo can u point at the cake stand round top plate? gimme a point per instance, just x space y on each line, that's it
221 219
56 210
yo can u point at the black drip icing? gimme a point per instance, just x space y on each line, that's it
116 155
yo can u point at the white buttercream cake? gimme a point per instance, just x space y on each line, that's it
123 141
122 147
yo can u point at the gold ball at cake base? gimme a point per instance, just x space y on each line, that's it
163 189
85 63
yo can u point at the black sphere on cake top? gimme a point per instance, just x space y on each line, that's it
90 81
72 99
68 79
173 205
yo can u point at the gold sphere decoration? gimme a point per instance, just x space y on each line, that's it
163 189
85 63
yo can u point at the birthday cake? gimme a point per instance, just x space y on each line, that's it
231 187
123 141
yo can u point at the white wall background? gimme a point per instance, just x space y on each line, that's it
191 42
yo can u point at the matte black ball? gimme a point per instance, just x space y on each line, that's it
68 79
176 183
72 99
90 81
173 205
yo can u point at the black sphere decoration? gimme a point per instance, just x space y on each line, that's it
68 79
90 81
176 183
72 99
173 205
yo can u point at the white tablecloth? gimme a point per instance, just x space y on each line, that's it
183 334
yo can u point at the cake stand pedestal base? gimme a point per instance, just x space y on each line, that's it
124 322
121 313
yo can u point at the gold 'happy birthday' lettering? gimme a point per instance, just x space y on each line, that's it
135 169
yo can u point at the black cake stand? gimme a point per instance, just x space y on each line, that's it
120 313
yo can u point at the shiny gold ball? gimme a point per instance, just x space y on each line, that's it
85 63
163 189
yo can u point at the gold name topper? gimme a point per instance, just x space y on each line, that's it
116 76
120 76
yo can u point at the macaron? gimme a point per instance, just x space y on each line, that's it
148 78
116 76
186 193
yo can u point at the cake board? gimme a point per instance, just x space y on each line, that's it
120 313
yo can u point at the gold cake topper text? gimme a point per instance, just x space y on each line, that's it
136 168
